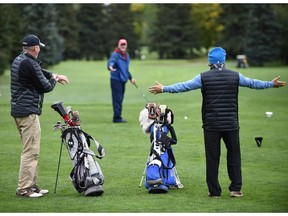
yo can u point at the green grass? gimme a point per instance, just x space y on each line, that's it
264 169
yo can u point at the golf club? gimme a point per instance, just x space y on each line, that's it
141 93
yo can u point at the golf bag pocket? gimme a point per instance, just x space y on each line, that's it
78 175
71 138
153 173
161 171
169 177
86 173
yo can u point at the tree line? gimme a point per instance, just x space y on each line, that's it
173 31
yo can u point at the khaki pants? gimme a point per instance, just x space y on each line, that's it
30 133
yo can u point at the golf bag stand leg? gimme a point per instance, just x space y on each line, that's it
56 182
178 182
144 172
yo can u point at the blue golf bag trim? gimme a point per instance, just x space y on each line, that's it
160 174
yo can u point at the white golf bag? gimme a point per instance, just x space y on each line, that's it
86 174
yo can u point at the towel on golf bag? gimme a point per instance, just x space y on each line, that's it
149 114
86 174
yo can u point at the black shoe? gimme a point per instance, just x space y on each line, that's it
120 121
213 196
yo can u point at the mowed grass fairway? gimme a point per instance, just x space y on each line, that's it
264 169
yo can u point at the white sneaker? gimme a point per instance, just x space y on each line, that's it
43 191
236 194
29 194
35 195
40 191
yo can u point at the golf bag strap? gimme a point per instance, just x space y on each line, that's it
166 141
63 135
171 157
74 131
172 132
158 157
99 148
78 174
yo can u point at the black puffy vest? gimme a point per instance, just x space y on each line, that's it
220 100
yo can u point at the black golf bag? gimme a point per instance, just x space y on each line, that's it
86 174
161 173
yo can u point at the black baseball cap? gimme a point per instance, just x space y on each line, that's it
32 40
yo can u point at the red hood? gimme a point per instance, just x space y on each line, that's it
119 51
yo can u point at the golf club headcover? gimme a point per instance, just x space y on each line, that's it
76 118
59 108
152 113
170 117
162 113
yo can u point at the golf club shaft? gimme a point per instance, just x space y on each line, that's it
142 93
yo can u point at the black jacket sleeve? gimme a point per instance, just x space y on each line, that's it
33 77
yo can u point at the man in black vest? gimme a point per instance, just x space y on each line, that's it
219 87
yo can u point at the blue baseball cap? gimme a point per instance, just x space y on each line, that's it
217 55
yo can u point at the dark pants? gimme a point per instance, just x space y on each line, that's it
118 90
213 151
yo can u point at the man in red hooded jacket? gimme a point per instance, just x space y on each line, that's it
118 64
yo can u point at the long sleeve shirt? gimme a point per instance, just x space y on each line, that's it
196 83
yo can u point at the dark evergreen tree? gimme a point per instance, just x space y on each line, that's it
91 39
235 21
282 18
68 28
173 35
11 34
41 20
262 38
119 25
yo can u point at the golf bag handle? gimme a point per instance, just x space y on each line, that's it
59 108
